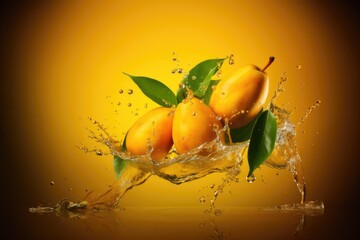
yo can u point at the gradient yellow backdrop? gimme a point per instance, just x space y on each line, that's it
66 65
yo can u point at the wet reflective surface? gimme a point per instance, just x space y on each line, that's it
192 223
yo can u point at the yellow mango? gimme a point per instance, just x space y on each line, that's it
194 124
153 129
240 97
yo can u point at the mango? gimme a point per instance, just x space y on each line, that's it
240 97
153 130
194 124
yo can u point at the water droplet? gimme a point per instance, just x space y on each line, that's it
193 77
52 183
119 103
181 85
86 190
213 87
318 101
174 70
212 185
194 114
218 212
130 91
242 111
121 91
99 152
85 149
202 199
129 104
174 59
222 93
180 70
216 193
251 178
146 105
218 118
231 59
70 189
298 66
219 74
277 173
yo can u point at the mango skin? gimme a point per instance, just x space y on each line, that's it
240 97
155 127
193 125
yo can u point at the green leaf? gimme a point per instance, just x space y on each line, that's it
155 90
124 142
262 140
119 166
119 163
209 91
199 78
244 133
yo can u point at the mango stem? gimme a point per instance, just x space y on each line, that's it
271 60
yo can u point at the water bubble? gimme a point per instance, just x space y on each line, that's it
298 66
231 59
193 77
251 178
129 104
99 152
202 199
52 183
121 91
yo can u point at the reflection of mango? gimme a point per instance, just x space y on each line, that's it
194 124
240 97
154 129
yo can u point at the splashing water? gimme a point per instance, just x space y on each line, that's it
208 158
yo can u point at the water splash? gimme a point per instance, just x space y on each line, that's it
208 158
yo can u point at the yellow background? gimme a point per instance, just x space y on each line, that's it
66 62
